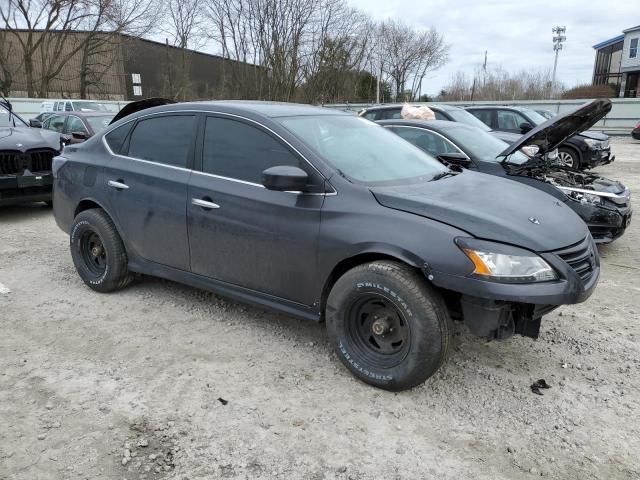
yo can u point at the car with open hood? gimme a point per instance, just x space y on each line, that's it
326 216
604 205
582 150
26 155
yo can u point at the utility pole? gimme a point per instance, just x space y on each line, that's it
558 39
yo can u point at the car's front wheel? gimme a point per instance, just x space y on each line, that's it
568 158
98 252
387 325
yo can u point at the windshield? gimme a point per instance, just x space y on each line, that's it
5 121
462 116
98 107
482 145
363 151
99 123
534 116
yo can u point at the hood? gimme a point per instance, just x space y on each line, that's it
491 208
27 138
550 134
134 107
594 135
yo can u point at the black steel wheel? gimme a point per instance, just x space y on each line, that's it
389 327
98 252
93 252
378 330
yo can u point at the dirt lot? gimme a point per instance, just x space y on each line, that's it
164 381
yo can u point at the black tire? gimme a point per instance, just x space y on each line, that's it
569 158
98 252
394 294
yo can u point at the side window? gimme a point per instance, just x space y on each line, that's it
166 139
483 115
116 137
57 106
370 115
509 120
74 124
68 107
390 114
55 123
427 141
237 150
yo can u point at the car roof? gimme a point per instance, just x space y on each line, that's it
390 106
265 109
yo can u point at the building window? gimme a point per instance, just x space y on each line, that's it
633 48
137 90
135 77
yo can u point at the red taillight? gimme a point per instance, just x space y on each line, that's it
638 125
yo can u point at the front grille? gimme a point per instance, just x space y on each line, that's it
14 162
581 257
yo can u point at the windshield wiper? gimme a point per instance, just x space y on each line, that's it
444 174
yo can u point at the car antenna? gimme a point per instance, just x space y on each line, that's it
7 104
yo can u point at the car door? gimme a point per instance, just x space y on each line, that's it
509 121
485 115
241 233
147 186
431 142
72 125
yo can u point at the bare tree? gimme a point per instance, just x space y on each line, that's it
407 55
499 84
102 43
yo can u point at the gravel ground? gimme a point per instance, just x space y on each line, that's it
165 381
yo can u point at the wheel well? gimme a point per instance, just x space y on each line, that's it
346 265
85 205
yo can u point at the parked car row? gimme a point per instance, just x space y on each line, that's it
329 216
584 150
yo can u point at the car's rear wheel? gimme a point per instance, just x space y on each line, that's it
98 252
568 158
387 325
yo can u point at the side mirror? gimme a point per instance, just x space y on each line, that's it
79 135
455 158
525 127
35 123
285 179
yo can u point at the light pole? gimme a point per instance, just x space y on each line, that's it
558 40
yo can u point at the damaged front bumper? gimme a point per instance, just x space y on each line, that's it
499 310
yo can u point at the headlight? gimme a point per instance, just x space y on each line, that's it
504 263
530 150
552 155
595 144
584 197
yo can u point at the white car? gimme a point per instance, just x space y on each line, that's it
73 106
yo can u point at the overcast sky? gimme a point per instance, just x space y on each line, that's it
516 33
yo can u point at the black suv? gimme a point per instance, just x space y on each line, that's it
583 150
322 215
25 159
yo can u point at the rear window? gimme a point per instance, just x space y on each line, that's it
115 138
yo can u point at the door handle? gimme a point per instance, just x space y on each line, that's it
118 185
199 202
